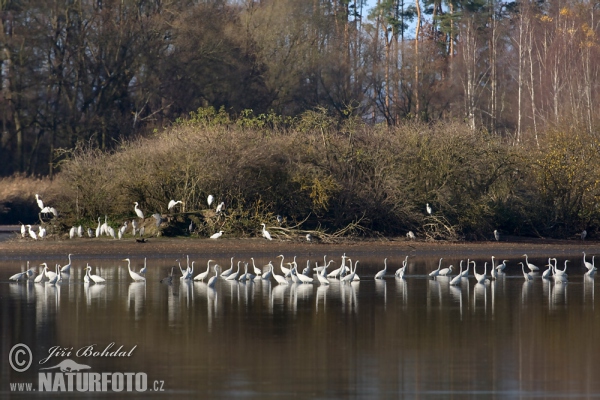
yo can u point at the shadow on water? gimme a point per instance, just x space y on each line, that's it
412 337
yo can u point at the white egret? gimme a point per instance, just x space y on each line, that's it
308 237
280 279
257 271
144 268
134 226
213 279
40 203
96 278
546 273
457 279
501 267
559 272
201 276
465 273
228 272
18 277
352 274
110 231
242 277
446 271
210 200
67 268
531 267
267 275
189 272
90 233
306 270
437 271
42 232
41 276
493 271
266 233
86 277
173 203
526 275
104 226
23 230
338 271
220 207
49 274
137 210
216 235
286 271
31 232
400 271
583 234
98 231
381 274
428 209
321 276
303 278
234 275
80 231
589 265
50 210
480 278
496 235
72 232
134 275
56 277
410 235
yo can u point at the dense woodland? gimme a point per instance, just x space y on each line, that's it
105 70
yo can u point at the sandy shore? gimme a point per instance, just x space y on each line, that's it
166 247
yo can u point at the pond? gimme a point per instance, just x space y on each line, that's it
417 337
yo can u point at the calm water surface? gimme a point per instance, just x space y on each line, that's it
413 338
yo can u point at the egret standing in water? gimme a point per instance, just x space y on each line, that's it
67 268
531 267
381 274
134 275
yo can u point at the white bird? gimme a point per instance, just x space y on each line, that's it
213 279
56 277
134 275
104 226
280 279
267 275
465 273
445 271
480 278
589 265
96 278
437 271
400 271
306 270
322 279
80 231
546 273
228 272
456 280
137 210
90 232
50 210
173 203
188 273
210 200
308 237
303 278
220 207
242 277
234 275
41 276
39 201
410 235
18 277
216 235
31 232
67 268
339 271
531 267
134 226
42 232
266 233
257 271
496 235
201 276
526 275
23 230
110 231
286 271
144 268
381 274
583 234
501 267
493 271
98 229
428 209
352 274
559 272
49 274
86 278
72 232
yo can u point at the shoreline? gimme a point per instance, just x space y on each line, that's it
17 248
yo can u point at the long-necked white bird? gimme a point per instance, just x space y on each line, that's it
210 200
559 272
96 278
56 277
280 279
234 275
437 271
72 232
381 274
501 267
49 274
465 273
137 210
268 273
134 275
86 277
589 265
41 232
350 276
546 274
201 276
40 278
23 230
18 277
98 228
80 231
67 268
265 233
303 278
531 267
39 201
228 272
446 271
104 226
243 277
31 232
493 271
284 270
457 279
220 207
526 275
257 271
144 268
216 235
213 279
480 278
173 203
402 270
321 276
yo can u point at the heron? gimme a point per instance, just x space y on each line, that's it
381 274
428 209
210 199
266 233
137 210
173 203
216 235
496 235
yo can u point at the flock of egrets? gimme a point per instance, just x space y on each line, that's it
104 229
290 273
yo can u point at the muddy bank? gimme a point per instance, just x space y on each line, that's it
16 248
